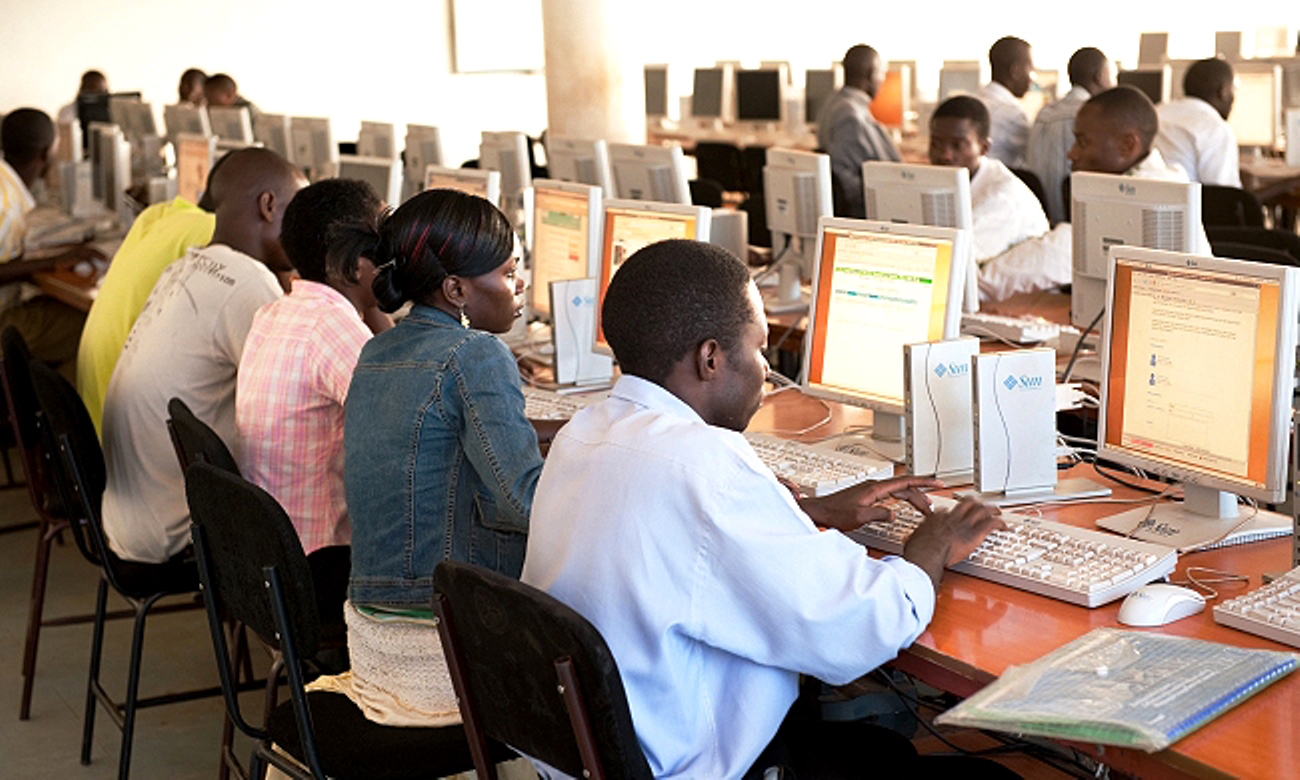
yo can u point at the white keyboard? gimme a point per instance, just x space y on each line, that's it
814 470
1272 612
541 404
1052 559
1019 330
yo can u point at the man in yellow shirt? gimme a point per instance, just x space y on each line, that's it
160 235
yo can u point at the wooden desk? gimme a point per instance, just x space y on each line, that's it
67 286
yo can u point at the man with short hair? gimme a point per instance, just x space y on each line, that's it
707 578
220 90
190 88
1194 129
186 344
50 328
93 82
1012 62
847 131
1052 135
1004 211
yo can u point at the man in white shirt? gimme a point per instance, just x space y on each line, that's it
707 578
50 328
1013 72
1004 211
1113 133
1194 129
847 131
187 343
1052 135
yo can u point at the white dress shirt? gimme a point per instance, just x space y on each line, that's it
1004 211
1008 125
713 590
1193 135
1050 140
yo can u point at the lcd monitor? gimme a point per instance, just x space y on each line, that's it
231 124
1154 82
485 184
195 155
760 95
655 173
377 139
507 153
584 161
959 77
1256 116
185 118
384 174
797 189
272 131
313 147
423 148
656 92
1153 48
713 94
566 236
818 86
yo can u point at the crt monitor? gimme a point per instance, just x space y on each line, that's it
566 237
475 181
1108 210
185 118
384 174
656 92
1256 117
584 161
713 93
1155 82
507 153
924 195
377 139
760 95
818 86
231 123
272 131
797 189
1198 367
655 173
630 225
313 146
876 287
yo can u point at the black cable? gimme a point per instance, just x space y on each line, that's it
1078 347
1096 466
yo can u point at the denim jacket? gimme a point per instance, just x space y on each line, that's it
439 460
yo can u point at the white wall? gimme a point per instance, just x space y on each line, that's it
390 60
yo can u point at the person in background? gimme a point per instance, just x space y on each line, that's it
1012 61
190 89
847 131
1194 129
1052 135
93 82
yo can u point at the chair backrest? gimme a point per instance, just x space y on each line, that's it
1035 186
1279 240
1260 254
76 458
705 192
195 441
1230 206
25 417
723 163
532 673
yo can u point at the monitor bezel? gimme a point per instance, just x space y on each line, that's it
490 179
595 232
393 196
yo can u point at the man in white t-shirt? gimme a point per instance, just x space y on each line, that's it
1194 129
1012 61
187 344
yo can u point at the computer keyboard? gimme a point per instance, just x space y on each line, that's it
1052 559
1272 612
1019 330
814 470
542 404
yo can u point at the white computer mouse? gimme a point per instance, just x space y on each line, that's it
1159 603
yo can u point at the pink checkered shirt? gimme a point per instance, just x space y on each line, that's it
293 379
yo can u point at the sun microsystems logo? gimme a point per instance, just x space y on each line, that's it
577 301
951 369
1009 383
1022 382
940 370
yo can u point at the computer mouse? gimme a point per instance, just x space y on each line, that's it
1159 603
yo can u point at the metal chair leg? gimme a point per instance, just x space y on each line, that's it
133 687
35 613
96 649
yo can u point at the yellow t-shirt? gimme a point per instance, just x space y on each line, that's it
160 235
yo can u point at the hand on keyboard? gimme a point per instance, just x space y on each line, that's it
855 506
947 537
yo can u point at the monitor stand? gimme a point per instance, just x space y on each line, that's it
887 435
1206 518
1063 490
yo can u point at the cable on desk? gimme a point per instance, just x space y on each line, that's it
1078 346
1218 577
1113 477
801 431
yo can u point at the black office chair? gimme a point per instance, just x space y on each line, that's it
722 162
1035 186
532 673
705 192
80 475
1065 198
194 441
1230 207
1253 243
253 569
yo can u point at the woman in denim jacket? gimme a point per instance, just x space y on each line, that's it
439 460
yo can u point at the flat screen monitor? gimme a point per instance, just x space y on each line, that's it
893 100
1107 211
231 123
1177 72
110 164
313 146
1198 367
195 155
1228 45
1290 80
924 195
1153 48
876 287
133 115
818 86
485 184
712 95
1256 117
655 173
1154 82
185 118
566 234
423 148
656 91
630 225
377 139
384 174
959 77
272 131
507 153
760 95
797 188
579 160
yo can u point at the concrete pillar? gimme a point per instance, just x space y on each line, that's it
592 89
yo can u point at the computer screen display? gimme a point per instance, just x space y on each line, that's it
485 184
709 88
759 95
566 237
1256 116
381 173
1153 82
631 225
818 86
656 173
877 287
656 91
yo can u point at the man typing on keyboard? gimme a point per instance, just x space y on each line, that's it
709 581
